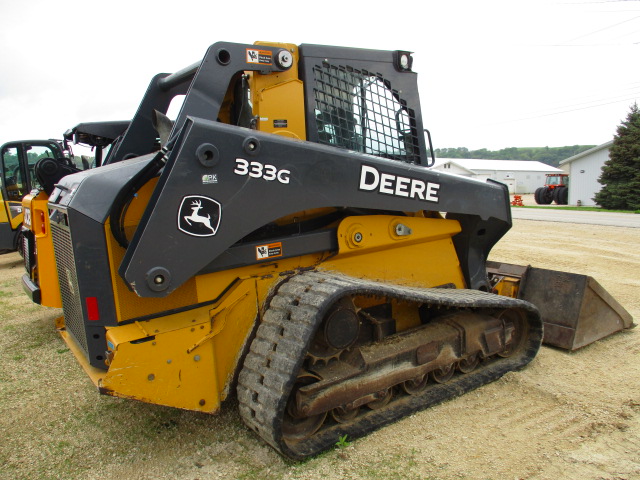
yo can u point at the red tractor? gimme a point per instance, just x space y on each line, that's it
556 189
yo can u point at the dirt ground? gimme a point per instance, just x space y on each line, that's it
565 416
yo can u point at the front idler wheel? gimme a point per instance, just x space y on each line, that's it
515 328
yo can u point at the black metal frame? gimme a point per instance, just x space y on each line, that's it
205 85
320 176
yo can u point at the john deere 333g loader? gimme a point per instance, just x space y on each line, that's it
287 243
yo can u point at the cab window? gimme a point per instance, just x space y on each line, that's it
12 178
34 154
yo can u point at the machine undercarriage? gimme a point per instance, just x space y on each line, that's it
327 361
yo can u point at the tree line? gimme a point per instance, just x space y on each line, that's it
549 155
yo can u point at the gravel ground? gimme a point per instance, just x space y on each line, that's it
566 416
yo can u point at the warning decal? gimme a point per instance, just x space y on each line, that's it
271 250
260 57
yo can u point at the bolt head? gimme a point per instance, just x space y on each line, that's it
284 59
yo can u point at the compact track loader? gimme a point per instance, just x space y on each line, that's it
287 242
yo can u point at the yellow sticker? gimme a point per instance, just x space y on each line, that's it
259 57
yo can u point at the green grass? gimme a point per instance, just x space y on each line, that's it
343 442
583 209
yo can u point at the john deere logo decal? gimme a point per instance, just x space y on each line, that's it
199 216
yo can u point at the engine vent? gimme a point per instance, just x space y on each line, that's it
28 250
360 111
69 284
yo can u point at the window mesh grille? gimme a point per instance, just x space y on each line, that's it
360 111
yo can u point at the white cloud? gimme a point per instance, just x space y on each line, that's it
492 74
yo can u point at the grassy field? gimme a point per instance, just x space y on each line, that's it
566 416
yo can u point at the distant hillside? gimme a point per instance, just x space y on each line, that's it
549 155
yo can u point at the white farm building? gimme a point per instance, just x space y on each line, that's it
584 170
521 176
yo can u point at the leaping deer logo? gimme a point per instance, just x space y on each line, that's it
199 216
196 206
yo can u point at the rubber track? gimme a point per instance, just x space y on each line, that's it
289 324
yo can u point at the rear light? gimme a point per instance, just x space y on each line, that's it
37 222
93 314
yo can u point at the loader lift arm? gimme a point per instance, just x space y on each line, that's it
317 177
225 62
321 71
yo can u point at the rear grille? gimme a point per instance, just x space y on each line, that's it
360 111
69 284
28 247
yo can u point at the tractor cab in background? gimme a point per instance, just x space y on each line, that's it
17 173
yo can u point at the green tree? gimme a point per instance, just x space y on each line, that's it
549 155
621 173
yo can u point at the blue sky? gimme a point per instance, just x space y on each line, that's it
492 74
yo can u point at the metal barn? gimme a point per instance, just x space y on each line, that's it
584 170
521 176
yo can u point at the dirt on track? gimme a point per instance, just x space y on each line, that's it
565 416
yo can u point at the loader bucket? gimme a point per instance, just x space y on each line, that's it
576 309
